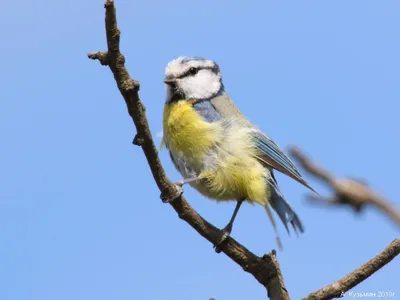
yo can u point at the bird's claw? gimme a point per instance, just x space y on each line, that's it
224 236
168 199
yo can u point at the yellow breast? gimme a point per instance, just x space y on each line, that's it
231 171
186 132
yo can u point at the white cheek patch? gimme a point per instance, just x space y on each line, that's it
200 86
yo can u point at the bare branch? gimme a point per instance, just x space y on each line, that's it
338 288
355 194
266 269
347 191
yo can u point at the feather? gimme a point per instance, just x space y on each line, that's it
207 111
274 157
283 208
271 154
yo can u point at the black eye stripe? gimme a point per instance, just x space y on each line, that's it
193 71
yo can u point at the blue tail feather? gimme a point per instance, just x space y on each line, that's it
283 208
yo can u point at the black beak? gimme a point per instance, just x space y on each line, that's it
170 81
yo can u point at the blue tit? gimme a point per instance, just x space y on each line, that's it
216 149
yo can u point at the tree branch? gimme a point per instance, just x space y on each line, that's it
338 288
346 191
265 269
356 194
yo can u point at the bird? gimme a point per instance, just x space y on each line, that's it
217 150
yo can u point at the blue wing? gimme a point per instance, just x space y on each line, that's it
274 157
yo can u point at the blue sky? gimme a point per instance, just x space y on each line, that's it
80 215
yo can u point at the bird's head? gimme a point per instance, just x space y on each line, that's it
192 78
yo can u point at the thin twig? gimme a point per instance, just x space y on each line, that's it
266 269
340 287
346 191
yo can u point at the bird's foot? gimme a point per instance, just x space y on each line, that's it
171 198
224 236
179 191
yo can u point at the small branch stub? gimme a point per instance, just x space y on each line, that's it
138 141
102 57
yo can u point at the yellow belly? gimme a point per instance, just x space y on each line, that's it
236 178
234 174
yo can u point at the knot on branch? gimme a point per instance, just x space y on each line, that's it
129 86
120 59
138 140
270 268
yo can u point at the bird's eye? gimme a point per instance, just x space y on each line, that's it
193 71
